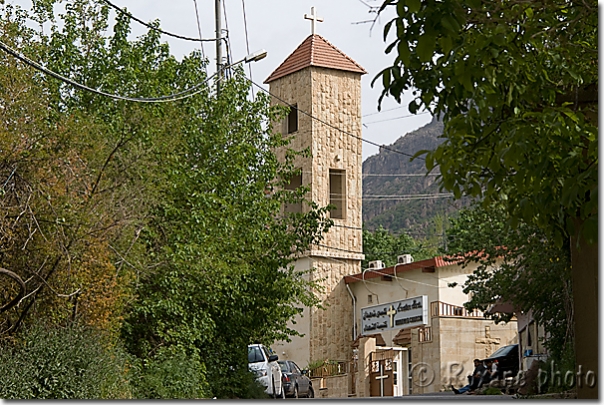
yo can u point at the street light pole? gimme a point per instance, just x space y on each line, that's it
252 57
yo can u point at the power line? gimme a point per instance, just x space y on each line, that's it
383 111
397 118
340 249
203 53
399 175
382 147
410 198
356 228
408 195
395 196
380 174
362 278
372 9
172 97
247 43
155 28
227 37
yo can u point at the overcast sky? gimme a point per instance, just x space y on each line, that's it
278 26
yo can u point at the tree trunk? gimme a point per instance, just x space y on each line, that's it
584 260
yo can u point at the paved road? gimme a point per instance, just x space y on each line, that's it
447 395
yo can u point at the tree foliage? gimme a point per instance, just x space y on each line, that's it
159 222
383 245
223 276
522 266
516 85
62 363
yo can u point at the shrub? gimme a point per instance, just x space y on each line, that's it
492 391
169 375
62 363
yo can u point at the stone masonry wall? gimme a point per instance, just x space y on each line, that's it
334 98
331 326
331 387
337 101
463 340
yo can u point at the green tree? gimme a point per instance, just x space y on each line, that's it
224 255
63 363
383 245
163 219
519 265
516 84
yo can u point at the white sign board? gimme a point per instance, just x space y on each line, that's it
402 314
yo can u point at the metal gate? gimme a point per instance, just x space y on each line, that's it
381 373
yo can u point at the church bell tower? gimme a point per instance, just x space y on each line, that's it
324 87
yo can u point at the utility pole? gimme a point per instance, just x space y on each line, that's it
219 71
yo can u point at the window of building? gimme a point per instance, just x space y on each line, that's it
292 119
337 193
294 182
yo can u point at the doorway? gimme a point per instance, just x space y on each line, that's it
389 372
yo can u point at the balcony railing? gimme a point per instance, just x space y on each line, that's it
328 369
438 308
424 334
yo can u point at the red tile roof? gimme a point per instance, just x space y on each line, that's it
315 51
428 265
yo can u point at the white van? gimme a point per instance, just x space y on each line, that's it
266 368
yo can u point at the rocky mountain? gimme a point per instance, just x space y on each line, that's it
397 193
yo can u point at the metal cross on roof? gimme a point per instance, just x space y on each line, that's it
313 18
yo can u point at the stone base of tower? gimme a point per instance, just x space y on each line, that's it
327 330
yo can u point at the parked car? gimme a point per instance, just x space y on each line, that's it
508 362
268 372
295 381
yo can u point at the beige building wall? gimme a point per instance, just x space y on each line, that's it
453 274
298 349
408 284
447 357
333 97
462 340
456 342
412 283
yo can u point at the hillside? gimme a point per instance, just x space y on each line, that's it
395 188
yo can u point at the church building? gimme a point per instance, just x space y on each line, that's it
324 87
377 325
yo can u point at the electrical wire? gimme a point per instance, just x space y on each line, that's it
402 197
398 281
396 196
383 111
382 147
377 297
356 228
397 118
400 175
340 173
227 36
407 198
247 43
340 249
203 53
172 97
155 28
394 275
390 275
